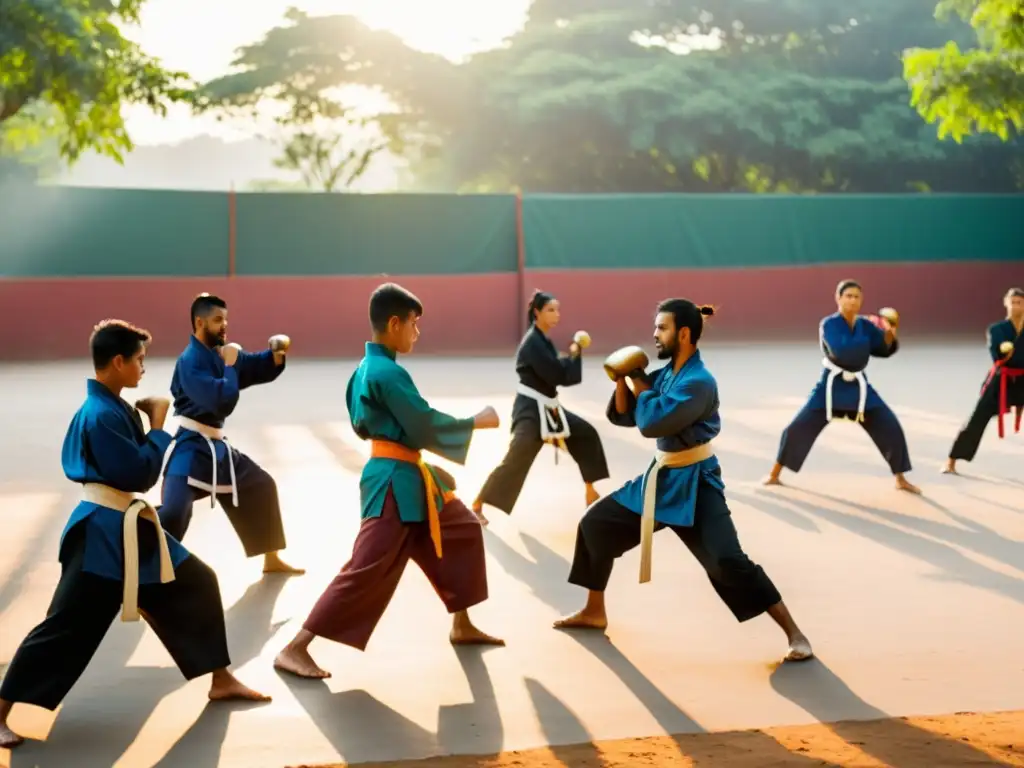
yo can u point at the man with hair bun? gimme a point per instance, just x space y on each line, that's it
682 490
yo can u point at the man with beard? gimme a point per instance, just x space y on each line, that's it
208 378
682 489
1004 387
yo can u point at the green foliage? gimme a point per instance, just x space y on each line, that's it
980 90
646 96
70 55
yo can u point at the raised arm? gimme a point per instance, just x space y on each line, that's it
883 343
206 390
257 368
660 414
622 396
127 465
555 370
427 428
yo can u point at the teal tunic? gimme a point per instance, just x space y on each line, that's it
383 403
679 411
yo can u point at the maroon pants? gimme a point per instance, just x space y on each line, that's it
353 603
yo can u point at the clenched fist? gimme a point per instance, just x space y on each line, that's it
229 353
156 409
487 419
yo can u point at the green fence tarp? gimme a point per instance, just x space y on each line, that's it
347 234
71 232
721 231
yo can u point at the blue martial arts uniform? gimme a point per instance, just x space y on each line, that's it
206 392
844 385
680 412
106 444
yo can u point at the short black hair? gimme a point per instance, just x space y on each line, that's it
392 300
111 338
844 285
686 314
203 305
1014 293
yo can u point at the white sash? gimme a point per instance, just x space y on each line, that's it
209 434
862 384
675 459
548 431
133 508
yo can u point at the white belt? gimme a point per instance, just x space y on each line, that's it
858 376
672 459
545 405
209 434
133 508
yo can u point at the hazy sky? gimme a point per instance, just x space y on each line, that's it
200 37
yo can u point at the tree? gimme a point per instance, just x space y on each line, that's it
662 95
71 55
980 90
327 143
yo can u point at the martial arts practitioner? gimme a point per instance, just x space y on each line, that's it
848 341
409 511
208 378
113 553
1004 387
681 490
538 417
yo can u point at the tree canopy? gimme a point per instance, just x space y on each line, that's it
66 66
662 95
980 90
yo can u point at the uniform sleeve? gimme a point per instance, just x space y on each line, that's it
879 347
257 368
127 465
556 371
660 414
426 427
206 390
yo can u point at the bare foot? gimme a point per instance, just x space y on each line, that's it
272 563
226 687
8 738
299 663
771 480
799 649
583 620
478 510
950 468
472 636
903 484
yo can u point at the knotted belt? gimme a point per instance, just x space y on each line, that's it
673 459
1005 374
858 376
549 409
385 449
133 508
209 434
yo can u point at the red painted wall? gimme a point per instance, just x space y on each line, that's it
482 314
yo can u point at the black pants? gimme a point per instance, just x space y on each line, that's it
186 614
880 423
966 444
256 519
505 483
608 530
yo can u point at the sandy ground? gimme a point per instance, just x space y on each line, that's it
915 605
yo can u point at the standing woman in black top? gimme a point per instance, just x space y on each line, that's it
537 416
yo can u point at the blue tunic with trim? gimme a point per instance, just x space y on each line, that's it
106 444
206 390
679 411
851 349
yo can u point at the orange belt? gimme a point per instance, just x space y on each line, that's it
1006 374
385 449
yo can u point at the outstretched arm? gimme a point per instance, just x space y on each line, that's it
660 414
426 427
126 464
257 368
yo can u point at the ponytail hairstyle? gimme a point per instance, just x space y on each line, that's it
688 315
538 301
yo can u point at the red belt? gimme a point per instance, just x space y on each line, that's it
1007 373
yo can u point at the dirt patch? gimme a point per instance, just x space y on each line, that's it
963 739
